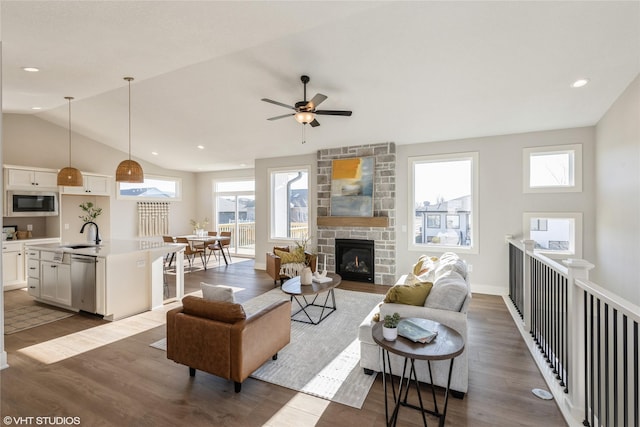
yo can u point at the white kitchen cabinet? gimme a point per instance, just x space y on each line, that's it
32 179
33 273
12 265
55 282
95 185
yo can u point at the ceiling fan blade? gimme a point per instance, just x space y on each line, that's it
333 112
314 123
315 101
270 101
282 116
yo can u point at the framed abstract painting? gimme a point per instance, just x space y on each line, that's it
352 187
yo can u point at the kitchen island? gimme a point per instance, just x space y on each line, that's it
129 275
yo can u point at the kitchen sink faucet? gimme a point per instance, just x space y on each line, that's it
97 232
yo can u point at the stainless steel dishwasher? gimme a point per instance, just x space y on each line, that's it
83 282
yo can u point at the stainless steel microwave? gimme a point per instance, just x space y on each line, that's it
32 203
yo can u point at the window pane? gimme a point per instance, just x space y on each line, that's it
443 202
553 234
153 188
551 169
289 204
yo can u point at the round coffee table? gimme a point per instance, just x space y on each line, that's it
447 345
300 292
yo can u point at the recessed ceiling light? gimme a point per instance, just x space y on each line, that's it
36 108
155 153
201 147
243 165
580 83
31 69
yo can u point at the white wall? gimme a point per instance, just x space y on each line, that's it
501 200
30 141
618 196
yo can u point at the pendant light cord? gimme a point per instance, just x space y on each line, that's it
69 98
129 80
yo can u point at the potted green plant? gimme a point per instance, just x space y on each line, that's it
390 326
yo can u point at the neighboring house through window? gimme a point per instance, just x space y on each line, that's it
289 203
444 202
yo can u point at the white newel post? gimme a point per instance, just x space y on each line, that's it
526 283
577 269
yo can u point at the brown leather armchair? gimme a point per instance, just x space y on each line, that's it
217 337
274 263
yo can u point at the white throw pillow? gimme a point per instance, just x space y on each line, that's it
448 292
451 262
217 292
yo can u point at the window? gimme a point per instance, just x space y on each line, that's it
235 212
444 199
553 169
153 188
289 199
556 235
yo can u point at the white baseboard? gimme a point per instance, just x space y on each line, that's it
3 360
259 265
489 289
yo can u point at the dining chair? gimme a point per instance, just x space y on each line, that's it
213 247
190 252
227 243
220 246
168 259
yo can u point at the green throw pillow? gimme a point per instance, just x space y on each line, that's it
415 294
286 257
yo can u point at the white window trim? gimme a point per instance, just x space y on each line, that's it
216 194
555 149
270 171
576 251
178 197
475 223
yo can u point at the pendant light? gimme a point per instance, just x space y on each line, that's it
129 170
70 176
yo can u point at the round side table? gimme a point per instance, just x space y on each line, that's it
447 345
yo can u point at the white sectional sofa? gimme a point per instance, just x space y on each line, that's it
447 303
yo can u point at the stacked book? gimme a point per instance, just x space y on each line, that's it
417 330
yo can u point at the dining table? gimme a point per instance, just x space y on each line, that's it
206 241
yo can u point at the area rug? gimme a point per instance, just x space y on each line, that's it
30 316
321 360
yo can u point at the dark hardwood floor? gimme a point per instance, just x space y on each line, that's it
129 383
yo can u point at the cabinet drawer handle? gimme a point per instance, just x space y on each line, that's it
32 268
32 287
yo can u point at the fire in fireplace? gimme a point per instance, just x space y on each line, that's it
355 259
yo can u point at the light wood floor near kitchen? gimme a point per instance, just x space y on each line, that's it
129 383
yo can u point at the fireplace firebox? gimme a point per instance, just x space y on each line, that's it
355 260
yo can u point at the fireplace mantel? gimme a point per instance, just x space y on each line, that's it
353 221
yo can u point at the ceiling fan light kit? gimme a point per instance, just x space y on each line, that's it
70 176
305 111
129 170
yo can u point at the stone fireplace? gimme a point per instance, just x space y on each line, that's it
355 259
379 229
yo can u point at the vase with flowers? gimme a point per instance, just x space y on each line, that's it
90 213
199 228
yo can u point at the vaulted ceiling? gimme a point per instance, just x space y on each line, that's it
411 72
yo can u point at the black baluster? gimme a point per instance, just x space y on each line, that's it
615 366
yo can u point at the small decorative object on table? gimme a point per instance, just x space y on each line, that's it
306 276
199 228
390 326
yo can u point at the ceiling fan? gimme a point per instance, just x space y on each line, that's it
305 111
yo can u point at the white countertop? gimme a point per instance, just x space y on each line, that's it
112 247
